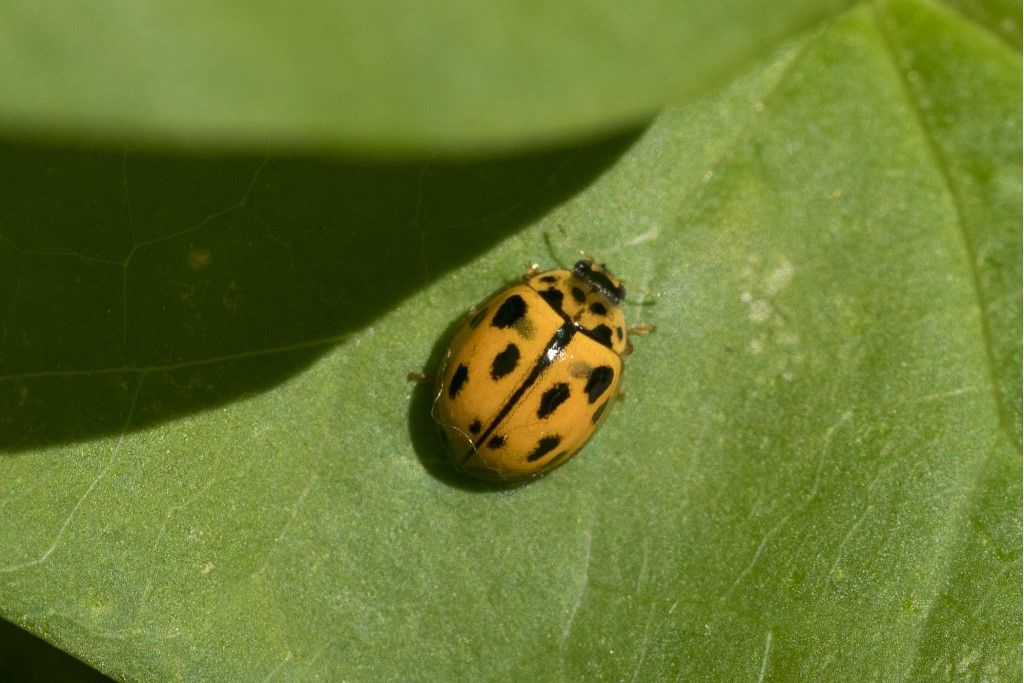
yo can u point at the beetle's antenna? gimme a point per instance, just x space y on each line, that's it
551 248
560 262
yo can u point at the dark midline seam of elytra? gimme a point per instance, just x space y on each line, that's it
567 331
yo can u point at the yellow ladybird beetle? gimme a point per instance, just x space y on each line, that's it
531 371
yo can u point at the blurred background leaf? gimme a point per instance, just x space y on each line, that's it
374 77
211 465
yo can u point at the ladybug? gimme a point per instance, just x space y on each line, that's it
531 371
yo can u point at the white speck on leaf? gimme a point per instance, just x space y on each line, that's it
760 311
787 338
778 279
965 664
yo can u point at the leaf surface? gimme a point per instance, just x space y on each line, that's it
214 466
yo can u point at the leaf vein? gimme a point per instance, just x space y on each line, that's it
970 253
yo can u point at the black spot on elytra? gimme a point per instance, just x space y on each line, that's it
597 413
475 427
505 362
578 295
603 334
478 318
554 297
618 333
552 398
598 308
550 279
496 442
544 446
600 379
458 380
510 311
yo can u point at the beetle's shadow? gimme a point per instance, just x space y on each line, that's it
423 428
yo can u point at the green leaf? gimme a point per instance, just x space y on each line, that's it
369 76
215 468
1001 17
